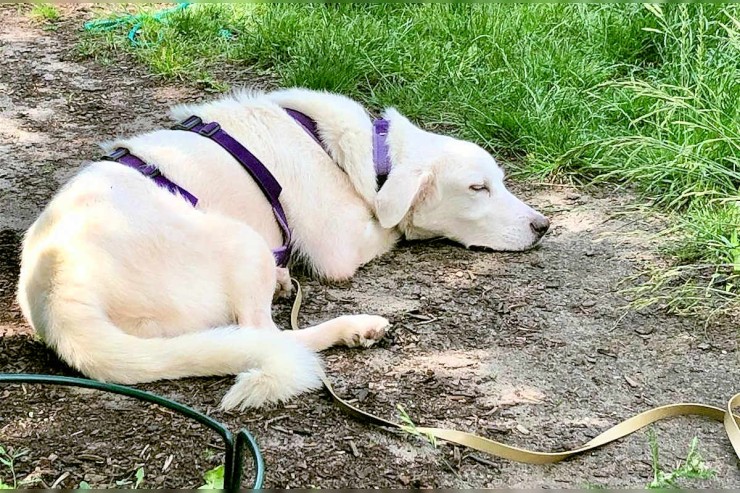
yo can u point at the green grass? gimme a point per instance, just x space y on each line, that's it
45 12
644 96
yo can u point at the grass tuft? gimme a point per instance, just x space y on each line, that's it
45 12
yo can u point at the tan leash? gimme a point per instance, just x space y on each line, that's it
498 449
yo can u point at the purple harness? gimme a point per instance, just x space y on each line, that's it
259 173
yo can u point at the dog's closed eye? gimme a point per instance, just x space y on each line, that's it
481 187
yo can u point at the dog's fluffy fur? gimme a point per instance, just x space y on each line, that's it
129 283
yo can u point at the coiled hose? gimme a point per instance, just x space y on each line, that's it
234 444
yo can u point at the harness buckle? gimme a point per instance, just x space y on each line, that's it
115 155
150 171
188 123
209 129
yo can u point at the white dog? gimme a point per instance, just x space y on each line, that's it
129 283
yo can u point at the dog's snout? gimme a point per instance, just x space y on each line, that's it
540 226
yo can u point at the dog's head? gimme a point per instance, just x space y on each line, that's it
444 187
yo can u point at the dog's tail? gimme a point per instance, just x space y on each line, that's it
271 366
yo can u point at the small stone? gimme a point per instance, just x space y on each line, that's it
644 330
704 346
588 303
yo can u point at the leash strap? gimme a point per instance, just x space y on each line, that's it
491 447
123 156
259 173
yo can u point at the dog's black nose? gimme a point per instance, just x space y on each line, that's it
540 226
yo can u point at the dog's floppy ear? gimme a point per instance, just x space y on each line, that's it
399 193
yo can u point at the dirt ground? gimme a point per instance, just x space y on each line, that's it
535 349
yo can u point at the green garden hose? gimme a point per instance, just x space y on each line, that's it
235 445
136 20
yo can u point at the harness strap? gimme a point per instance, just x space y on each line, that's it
259 173
123 156
381 153
308 124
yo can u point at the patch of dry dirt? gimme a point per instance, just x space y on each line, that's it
492 343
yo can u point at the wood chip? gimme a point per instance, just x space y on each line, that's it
352 445
61 478
481 460
92 457
631 382
282 430
521 429
167 463
433 319
278 418
607 352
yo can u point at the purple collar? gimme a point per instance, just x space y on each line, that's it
381 154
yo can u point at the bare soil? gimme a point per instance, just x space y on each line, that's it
536 349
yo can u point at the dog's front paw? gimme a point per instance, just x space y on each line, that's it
283 287
364 330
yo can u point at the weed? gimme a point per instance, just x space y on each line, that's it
410 427
138 476
7 459
692 468
214 479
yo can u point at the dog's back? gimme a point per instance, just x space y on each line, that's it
129 283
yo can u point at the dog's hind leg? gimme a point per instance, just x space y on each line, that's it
350 330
